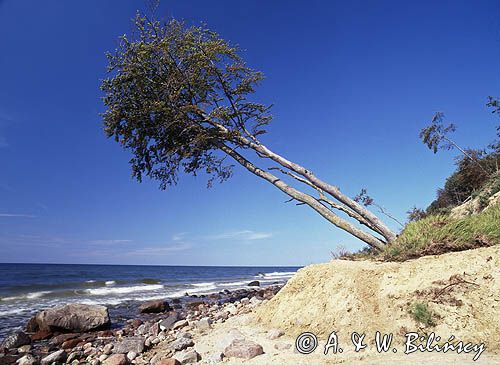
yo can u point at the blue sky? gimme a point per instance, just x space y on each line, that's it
352 84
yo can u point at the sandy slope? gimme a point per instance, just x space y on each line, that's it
461 289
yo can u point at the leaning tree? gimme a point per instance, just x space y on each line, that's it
179 98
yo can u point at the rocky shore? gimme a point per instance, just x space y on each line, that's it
163 333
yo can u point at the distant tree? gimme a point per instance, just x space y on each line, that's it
435 136
494 103
180 98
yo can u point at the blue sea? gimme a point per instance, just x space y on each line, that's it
28 288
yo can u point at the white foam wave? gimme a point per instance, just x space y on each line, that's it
33 295
111 282
11 312
201 285
279 274
123 290
90 281
235 283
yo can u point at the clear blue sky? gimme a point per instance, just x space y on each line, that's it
352 84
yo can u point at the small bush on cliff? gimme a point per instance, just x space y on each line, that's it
421 313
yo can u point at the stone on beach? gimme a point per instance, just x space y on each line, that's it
58 356
274 334
156 306
116 359
181 344
243 349
169 321
254 283
130 344
170 361
187 357
73 318
204 324
228 339
15 340
27 360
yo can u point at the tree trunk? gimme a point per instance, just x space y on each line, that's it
304 198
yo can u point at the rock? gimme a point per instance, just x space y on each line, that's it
132 355
16 339
187 357
183 334
135 344
204 324
73 318
181 344
8 359
255 301
41 335
168 362
24 349
274 334
180 324
228 339
27 360
107 349
168 322
254 283
74 356
282 346
71 343
135 323
215 358
116 359
58 340
154 329
243 349
58 356
156 306
103 357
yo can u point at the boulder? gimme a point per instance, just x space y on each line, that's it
73 318
156 306
16 339
215 358
204 324
116 359
58 356
254 283
180 324
169 321
187 357
41 335
243 349
130 344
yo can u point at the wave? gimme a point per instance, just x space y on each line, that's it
29 296
201 285
150 281
110 282
123 290
279 274
235 283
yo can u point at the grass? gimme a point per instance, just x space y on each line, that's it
438 234
421 313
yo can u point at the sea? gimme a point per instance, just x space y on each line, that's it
25 289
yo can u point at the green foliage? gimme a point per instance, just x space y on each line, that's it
467 179
421 313
170 89
438 234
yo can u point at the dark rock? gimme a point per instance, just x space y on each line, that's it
16 339
181 344
41 335
8 359
169 321
254 283
157 306
71 343
27 359
58 340
74 318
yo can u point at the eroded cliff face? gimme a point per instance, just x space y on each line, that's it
460 290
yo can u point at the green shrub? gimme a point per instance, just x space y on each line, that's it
421 313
